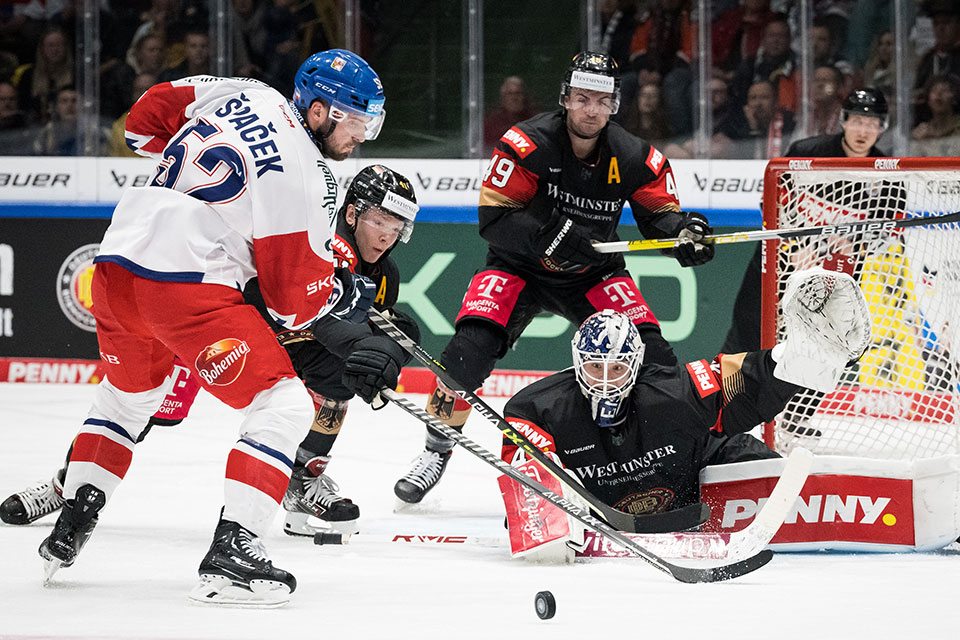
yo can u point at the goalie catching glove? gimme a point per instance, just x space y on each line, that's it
374 365
689 249
564 245
828 326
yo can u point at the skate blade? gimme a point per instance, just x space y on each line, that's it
221 591
50 566
301 524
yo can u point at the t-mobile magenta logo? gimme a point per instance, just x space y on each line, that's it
491 284
620 292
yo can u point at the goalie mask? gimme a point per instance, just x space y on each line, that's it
607 354
379 190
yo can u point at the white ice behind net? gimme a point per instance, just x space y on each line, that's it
901 400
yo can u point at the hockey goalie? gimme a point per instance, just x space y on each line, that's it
638 435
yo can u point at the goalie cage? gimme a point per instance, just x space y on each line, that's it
900 401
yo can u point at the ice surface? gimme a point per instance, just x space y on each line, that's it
132 578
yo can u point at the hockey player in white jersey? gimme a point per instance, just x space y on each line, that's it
241 190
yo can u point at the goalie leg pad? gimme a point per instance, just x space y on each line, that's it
539 531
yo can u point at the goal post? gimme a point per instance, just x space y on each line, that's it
902 399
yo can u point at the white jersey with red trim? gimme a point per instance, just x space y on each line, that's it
241 190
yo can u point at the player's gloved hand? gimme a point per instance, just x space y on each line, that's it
374 365
356 296
564 245
406 324
690 250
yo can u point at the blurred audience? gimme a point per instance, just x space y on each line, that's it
117 140
196 57
646 117
38 82
940 135
58 137
515 106
145 56
774 63
737 34
878 72
827 99
760 129
944 57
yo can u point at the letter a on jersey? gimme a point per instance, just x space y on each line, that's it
613 174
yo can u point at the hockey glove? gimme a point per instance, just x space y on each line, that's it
374 365
356 296
564 245
690 250
406 324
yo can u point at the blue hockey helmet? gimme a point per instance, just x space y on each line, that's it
346 83
607 354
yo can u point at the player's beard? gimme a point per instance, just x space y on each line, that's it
579 133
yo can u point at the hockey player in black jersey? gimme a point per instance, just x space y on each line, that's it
864 116
378 213
555 184
637 434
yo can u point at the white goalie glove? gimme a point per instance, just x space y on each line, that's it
828 325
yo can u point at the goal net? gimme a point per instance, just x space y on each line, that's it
900 400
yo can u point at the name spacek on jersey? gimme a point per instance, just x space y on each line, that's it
240 190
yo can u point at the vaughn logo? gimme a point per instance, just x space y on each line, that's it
222 362
74 281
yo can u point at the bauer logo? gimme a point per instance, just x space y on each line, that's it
222 362
74 280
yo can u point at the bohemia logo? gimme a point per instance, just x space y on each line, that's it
74 282
222 362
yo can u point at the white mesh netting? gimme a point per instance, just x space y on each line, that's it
901 399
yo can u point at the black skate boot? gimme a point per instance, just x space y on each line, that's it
34 502
236 571
313 493
72 530
427 469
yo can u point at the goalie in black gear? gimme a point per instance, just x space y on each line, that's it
637 434
556 183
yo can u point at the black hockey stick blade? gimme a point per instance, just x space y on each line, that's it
718 574
669 521
574 510
621 246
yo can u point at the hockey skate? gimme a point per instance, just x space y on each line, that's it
237 572
72 530
427 470
312 493
34 502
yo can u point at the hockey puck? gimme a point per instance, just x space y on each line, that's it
545 605
323 537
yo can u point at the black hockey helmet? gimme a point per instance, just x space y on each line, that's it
595 71
381 187
866 102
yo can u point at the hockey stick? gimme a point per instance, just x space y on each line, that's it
683 574
622 246
676 520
